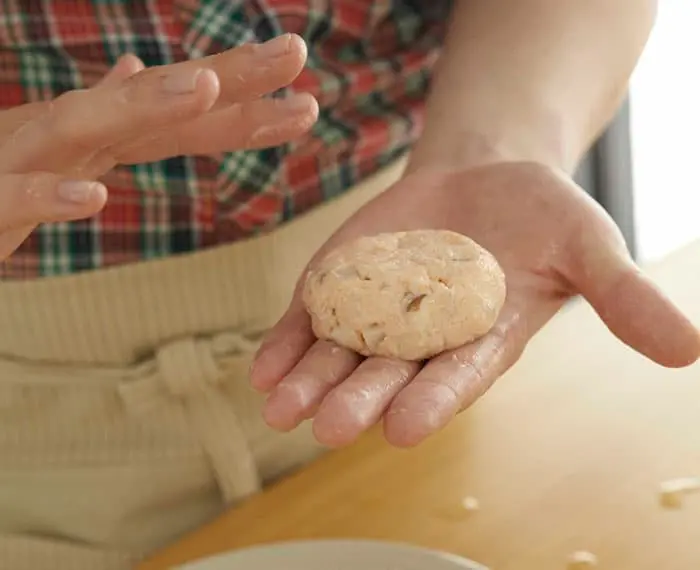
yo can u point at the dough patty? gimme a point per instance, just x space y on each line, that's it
407 295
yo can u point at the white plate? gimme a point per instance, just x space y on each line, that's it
334 555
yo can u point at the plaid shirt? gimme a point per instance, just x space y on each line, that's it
369 67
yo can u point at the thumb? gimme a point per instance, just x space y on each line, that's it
631 305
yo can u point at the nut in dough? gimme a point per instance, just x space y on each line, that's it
407 295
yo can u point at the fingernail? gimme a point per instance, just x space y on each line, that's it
77 191
181 82
297 102
275 47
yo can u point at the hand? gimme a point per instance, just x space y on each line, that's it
552 241
52 153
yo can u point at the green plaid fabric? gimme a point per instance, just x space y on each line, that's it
369 67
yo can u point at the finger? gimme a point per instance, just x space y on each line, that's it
642 316
282 349
126 66
298 395
259 124
359 402
12 119
81 123
31 199
631 305
454 380
252 70
245 73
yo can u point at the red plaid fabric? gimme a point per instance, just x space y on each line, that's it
369 67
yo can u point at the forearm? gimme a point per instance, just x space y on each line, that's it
531 79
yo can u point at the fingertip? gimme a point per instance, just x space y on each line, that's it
269 365
305 110
180 90
644 318
288 119
44 197
300 108
313 109
98 197
129 64
126 66
261 373
278 411
422 409
405 428
284 346
302 102
331 438
298 47
292 63
339 420
253 70
685 351
77 199
359 402
208 86
399 433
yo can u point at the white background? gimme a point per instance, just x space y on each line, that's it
665 108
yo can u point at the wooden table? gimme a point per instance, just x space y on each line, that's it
565 453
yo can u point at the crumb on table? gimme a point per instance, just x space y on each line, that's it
582 560
470 504
672 492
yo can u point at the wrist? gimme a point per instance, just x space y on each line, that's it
470 124
446 145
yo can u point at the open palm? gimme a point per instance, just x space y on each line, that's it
552 241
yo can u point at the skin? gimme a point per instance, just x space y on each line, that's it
53 153
524 87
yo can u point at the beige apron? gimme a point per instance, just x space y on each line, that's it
126 418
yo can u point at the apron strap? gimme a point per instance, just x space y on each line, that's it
193 372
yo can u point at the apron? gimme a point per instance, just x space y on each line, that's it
126 419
